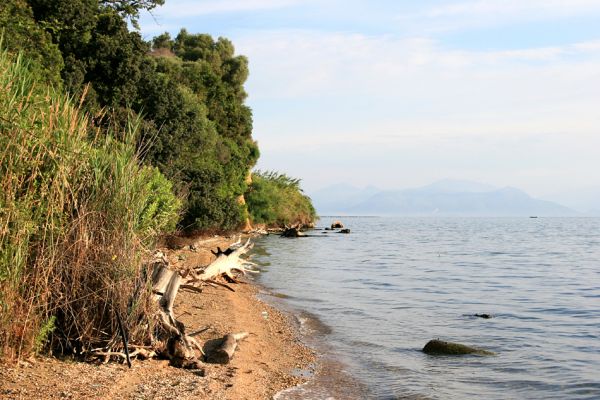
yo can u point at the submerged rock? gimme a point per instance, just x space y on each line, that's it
346 230
440 347
484 316
292 232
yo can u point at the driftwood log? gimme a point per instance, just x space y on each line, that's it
170 339
223 353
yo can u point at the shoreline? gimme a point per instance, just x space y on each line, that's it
273 358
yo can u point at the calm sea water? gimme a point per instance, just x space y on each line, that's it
372 299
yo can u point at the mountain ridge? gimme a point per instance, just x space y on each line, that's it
443 198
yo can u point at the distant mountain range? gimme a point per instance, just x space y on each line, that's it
585 199
444 198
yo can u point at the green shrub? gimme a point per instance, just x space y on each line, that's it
275 199
160 212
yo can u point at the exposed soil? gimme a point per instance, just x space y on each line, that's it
263 364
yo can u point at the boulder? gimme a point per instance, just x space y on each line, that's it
337 225
440 347
292 232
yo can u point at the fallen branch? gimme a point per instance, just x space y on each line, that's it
137 352
213 282
191 288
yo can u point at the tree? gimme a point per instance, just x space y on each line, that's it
20 31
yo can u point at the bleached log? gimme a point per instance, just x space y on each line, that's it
168 298
226 264
224 353
172 341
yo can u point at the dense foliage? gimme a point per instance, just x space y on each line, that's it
187 93
98 130
76 211
275 199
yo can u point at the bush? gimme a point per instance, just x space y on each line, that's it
275 199
75 215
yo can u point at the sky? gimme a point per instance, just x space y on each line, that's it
402 93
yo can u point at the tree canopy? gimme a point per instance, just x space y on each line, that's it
187 93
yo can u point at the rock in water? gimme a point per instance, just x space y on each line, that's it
484 316
345 230
292 232
440 347
337 225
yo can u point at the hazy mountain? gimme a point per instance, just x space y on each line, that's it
336 199
585 200
454 186
445 198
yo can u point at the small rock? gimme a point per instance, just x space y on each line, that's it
337 225
346 230
484 316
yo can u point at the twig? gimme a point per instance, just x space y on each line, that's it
200 331
124 337
220 284
191 288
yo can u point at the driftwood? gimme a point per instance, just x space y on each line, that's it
170 339
223 353
227 264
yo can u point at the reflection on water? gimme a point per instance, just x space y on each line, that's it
393 284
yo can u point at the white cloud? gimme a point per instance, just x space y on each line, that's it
192 8
512 8
410 104
306 65
489 13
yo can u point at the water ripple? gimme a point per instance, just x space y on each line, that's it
394 284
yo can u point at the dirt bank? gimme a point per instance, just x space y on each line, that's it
263 364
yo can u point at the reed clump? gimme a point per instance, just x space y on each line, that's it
78 211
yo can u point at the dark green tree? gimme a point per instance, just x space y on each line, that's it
21 32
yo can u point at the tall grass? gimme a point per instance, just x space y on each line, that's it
76 216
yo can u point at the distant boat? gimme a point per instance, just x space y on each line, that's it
533 216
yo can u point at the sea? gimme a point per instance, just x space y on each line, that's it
370 300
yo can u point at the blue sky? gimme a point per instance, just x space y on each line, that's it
402 93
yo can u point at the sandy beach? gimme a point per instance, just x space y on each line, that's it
268 361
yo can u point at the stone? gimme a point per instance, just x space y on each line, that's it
440 347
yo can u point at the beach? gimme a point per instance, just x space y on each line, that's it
271 359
